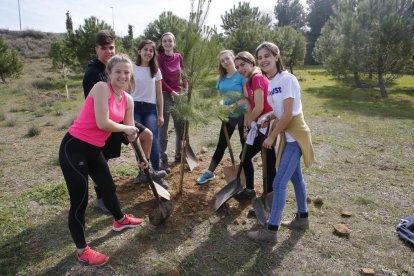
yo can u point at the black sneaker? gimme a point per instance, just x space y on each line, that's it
246 194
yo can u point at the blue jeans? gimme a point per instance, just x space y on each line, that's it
146 114
289 169
178 126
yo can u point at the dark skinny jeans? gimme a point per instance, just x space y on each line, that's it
222 144
79 159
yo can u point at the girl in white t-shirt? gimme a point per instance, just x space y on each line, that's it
295 141
148 102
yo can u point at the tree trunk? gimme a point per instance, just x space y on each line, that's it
291 68
67 91
381 83
182 161
357 80
65 78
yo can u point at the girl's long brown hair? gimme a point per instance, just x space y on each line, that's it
272 48
221 70
249 58
153 65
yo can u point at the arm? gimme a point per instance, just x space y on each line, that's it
100 94
168 88
281 124
245 99
89 80
265 119
164 84
246 125
258 105
160 104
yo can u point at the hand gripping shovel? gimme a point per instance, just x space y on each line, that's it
164 209
233 187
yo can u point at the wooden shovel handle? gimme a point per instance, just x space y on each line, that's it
140 158
226 135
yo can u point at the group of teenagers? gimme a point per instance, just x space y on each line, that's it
126 101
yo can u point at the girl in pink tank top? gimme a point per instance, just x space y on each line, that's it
80 153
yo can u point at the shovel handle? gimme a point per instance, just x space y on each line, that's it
139 157
264 166
226 135
243 156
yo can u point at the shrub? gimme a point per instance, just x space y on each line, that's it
11 123
33 131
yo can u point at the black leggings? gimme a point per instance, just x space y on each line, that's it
251 151
222 144
79 159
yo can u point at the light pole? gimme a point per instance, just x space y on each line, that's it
113 25
20 20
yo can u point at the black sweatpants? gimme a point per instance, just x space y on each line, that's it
251 151
222 144
79 159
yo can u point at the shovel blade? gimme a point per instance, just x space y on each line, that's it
160 214
226 193
230 174
190 158
162 192
191 163
261 211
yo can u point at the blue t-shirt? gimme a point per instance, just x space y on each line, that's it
231 89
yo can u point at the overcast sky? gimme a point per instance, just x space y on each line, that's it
50 15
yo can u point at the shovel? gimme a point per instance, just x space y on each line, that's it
262 204
164 209
161 191
185 147
190 157
229 172
234 187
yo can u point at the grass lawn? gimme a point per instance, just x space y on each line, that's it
364 148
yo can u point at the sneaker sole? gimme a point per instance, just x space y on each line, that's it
205 181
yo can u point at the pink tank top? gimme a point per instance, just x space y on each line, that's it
85 128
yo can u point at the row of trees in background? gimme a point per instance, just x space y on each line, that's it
244 28
356 40
367 39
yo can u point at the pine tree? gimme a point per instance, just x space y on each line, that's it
69 23
10 64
